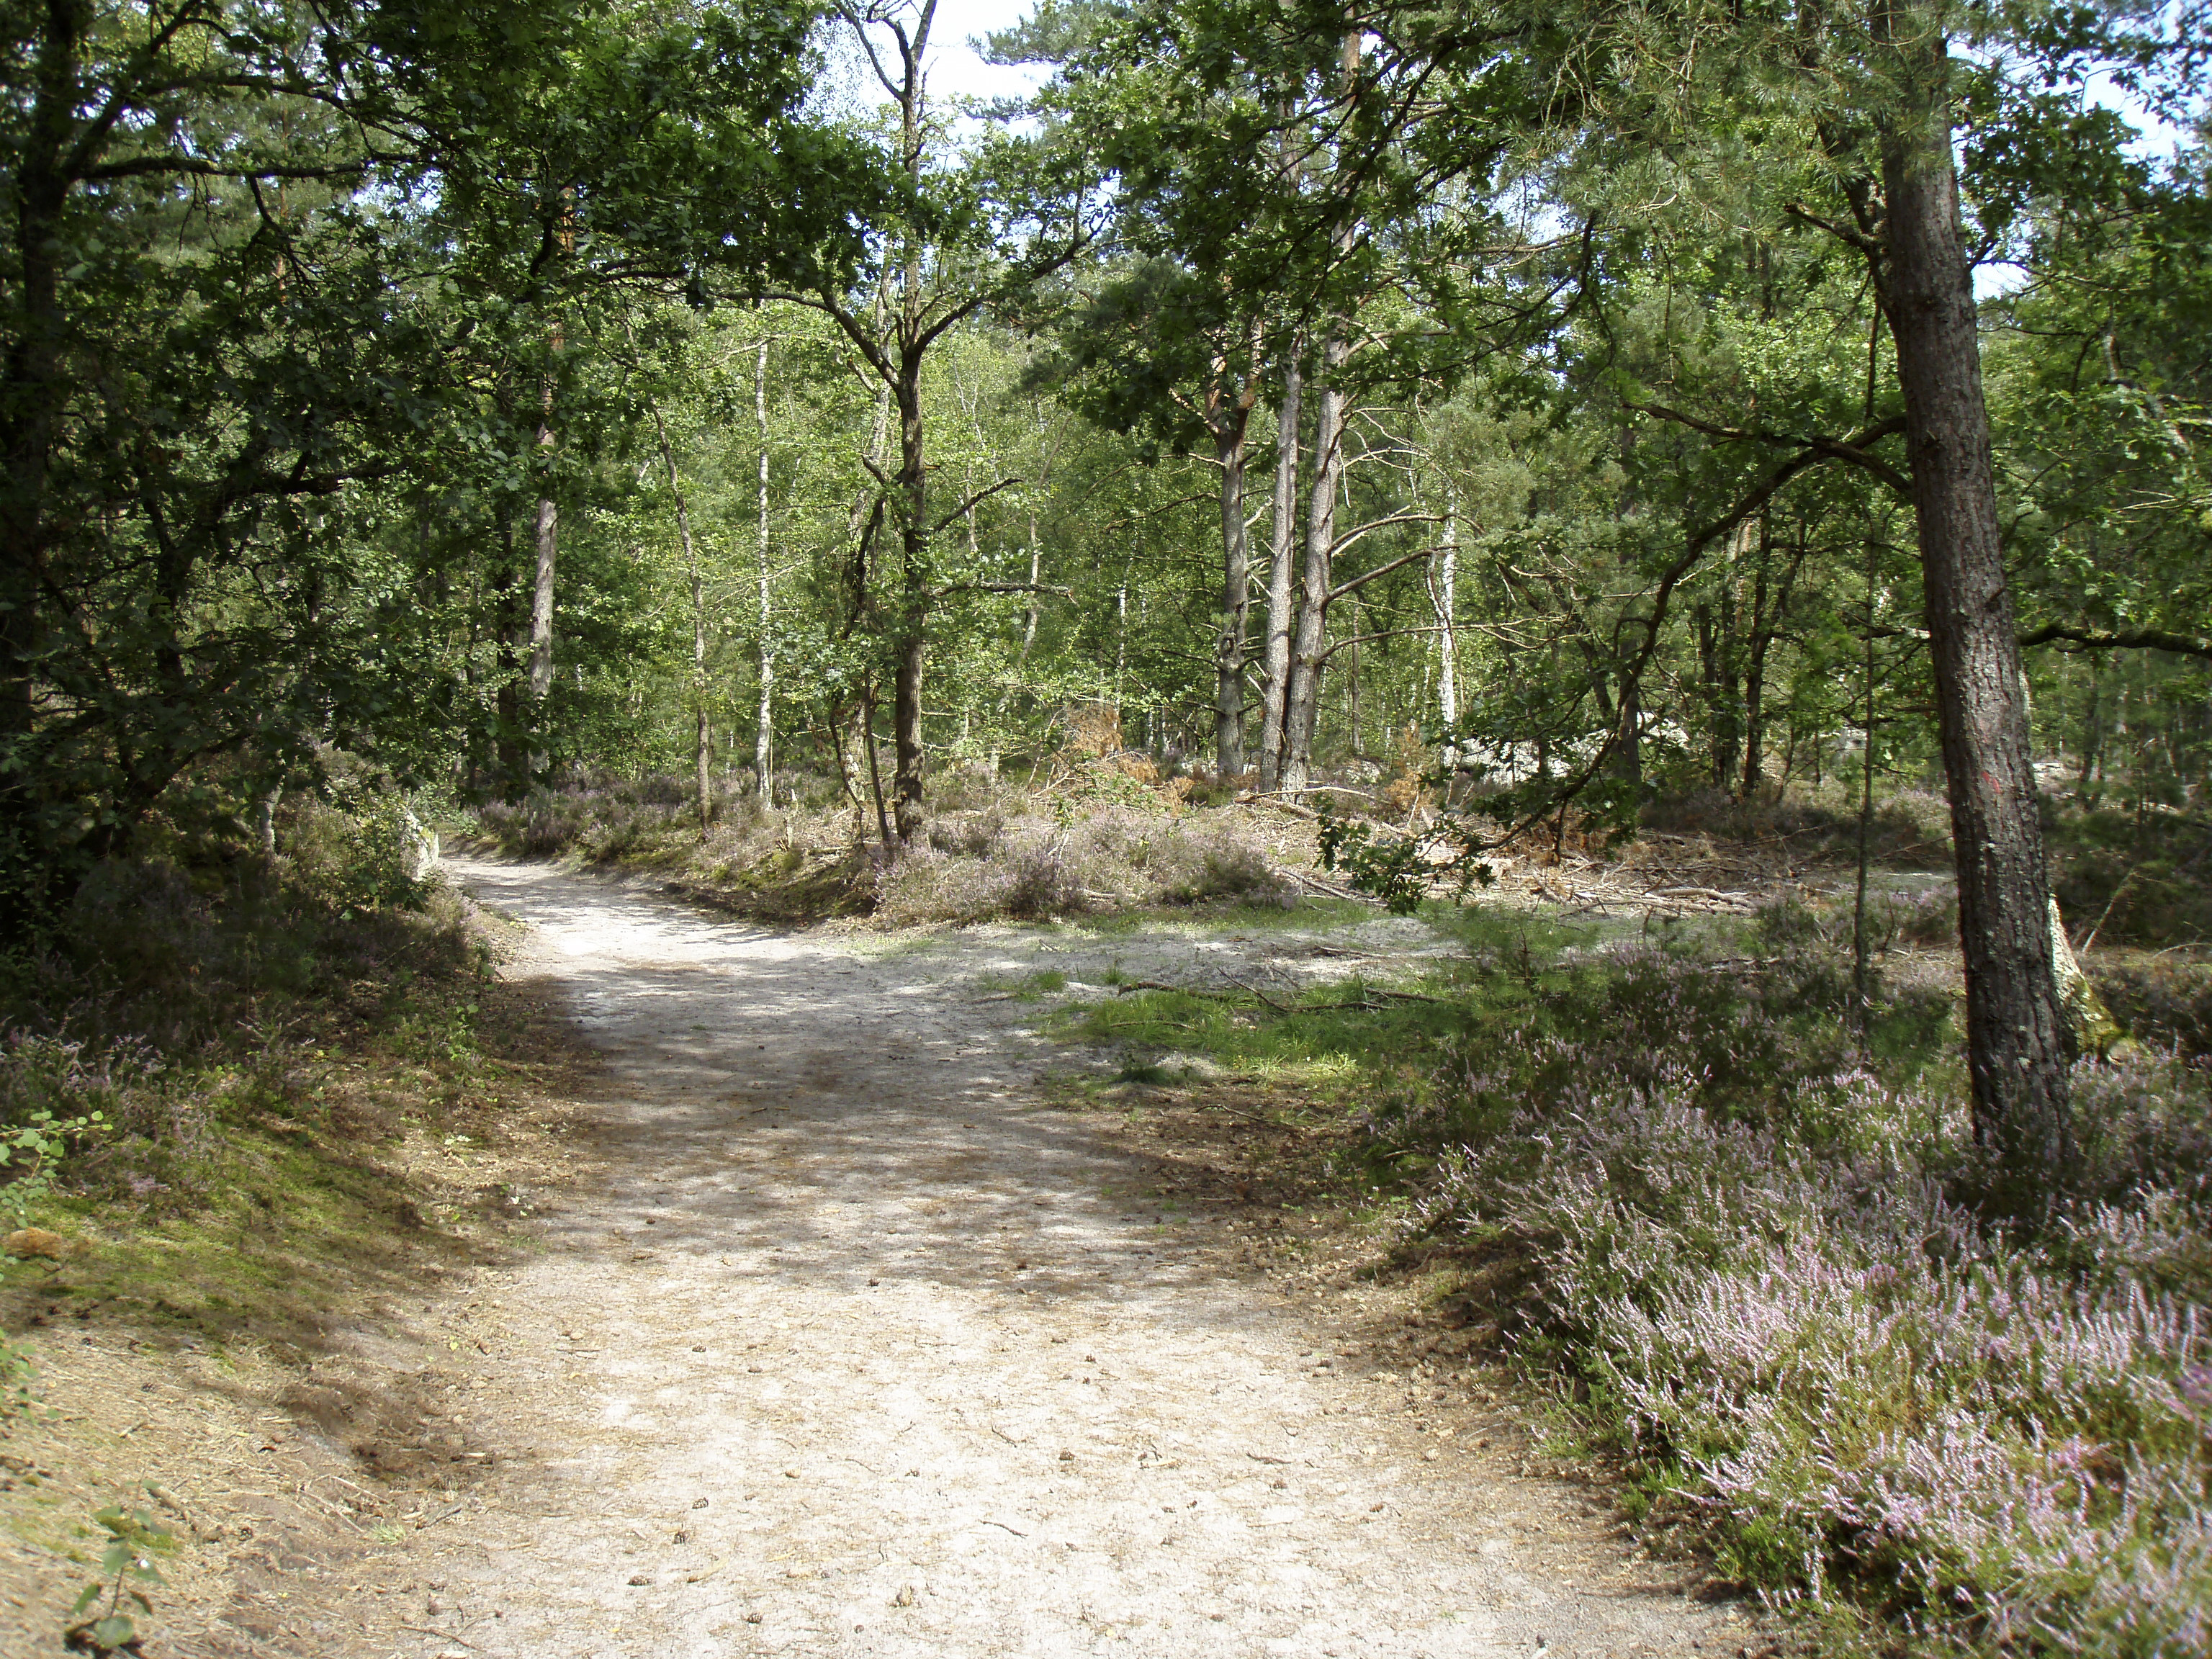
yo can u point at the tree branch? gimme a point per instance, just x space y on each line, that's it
1367 576
2129 639
979 495
1843 449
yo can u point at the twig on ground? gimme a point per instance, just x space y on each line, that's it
1255 992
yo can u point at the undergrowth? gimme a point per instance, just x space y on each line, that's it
244 1046
1737 1205
2137 878
1108 835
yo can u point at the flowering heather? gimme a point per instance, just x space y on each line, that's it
1751 1255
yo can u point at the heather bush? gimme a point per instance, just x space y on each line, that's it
1109 832
1000 862
597 819
171 1014
105 1115
1762 1042
1753 1267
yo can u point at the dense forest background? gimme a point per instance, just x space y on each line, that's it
493 396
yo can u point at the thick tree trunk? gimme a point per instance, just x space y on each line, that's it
1275 651
2016 1033
30 405
511 719
1302 702
1235 608
764 735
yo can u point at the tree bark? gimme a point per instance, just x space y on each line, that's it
1275 651
1447 607
547 544
1302 702
511 719
913 484
912 641
30 406
1771 604
2016 1033
703 753
1235 605
1302 710
763 736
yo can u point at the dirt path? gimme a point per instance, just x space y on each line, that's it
859 1349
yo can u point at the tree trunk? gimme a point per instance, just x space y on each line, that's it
2017 1035
1303 703
764 735
1275 661
1235 608
547 539
703 753
875 770
31 404
1447 606
1627 762
2092 741
913 643
913 476
510 625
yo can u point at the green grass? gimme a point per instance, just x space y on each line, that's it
1413 1065
1333 1042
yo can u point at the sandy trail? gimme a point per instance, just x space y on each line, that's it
862 1349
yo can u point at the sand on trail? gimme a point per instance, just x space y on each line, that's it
860 1345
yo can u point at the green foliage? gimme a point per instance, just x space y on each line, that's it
134 1539
31 1152
1398 868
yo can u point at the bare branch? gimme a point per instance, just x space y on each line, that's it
2127 639
982 494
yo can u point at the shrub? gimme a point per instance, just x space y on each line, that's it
1751 1263
2137 878
2165 1003
46 1112
1012 863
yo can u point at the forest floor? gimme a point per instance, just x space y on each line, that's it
835 1317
